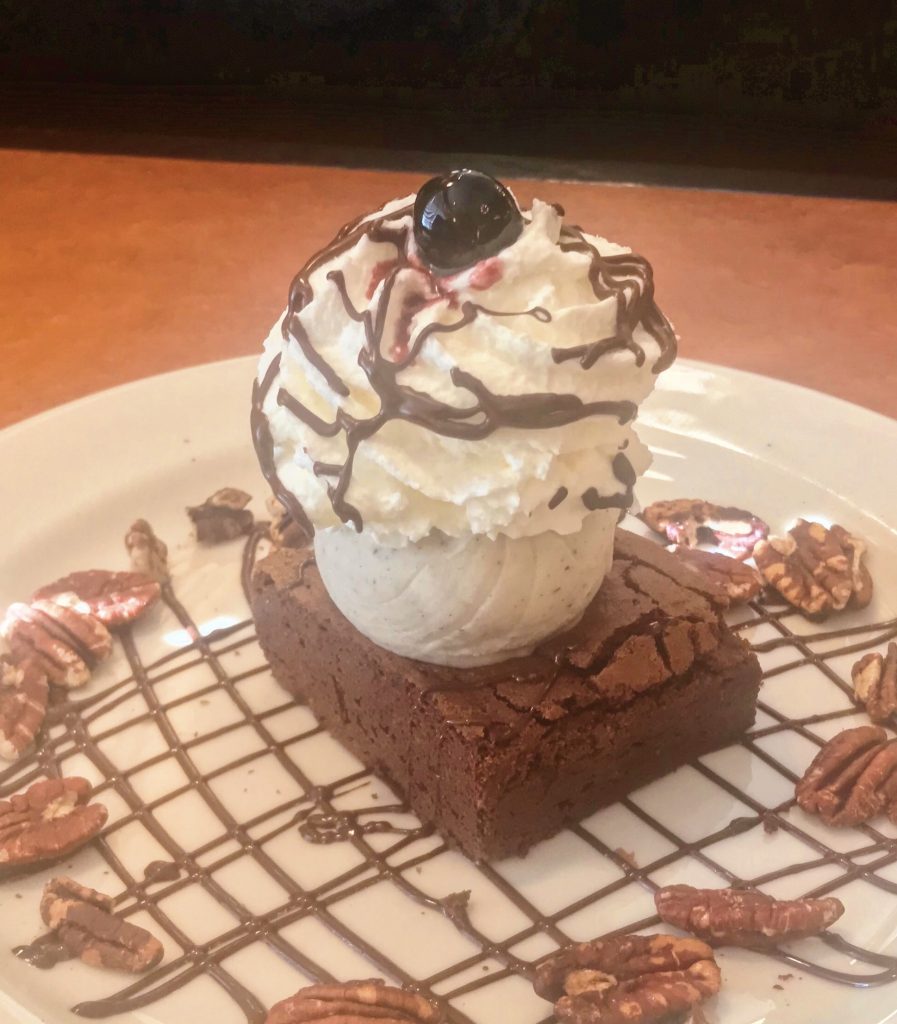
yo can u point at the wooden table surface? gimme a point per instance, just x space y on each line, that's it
113 268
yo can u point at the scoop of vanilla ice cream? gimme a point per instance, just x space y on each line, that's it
461 537
470 600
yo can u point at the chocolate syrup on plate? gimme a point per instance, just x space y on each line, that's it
44 953
161 871
74 726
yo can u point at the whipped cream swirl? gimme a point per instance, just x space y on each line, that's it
497 401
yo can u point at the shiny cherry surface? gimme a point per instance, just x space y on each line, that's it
463 217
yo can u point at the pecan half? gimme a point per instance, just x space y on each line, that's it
736 917
83 921
688 521
818 570
115 598
222 516
50 820
23 706
60 635
630 978
852 779
73 620
149 555
353 1003
735 582
875 683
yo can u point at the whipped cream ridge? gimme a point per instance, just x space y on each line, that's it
497 401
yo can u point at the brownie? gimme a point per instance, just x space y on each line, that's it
500 757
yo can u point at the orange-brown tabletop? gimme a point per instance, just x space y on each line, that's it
113 268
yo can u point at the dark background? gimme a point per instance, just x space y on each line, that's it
796 96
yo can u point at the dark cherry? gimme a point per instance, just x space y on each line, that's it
462 218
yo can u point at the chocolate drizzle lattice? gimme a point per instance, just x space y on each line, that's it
386 844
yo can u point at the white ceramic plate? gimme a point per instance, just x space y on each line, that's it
73 479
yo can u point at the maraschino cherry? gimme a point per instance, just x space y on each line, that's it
463 217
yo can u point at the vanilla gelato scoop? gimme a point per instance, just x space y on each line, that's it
449 400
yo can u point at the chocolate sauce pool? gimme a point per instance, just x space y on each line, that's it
161 871
321 816
44 953
626 277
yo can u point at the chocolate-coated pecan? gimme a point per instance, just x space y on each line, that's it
115 598
354 1003
875 683
23 705
735 582
50 820
688 521
817 569
736 917
83 921
630 978
61 889
60 634
853 778
149 555
222 516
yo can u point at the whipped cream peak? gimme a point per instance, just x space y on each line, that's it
497 400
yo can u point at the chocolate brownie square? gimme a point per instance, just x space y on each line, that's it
503 756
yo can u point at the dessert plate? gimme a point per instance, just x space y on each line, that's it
293 862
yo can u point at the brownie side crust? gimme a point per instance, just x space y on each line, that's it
501 757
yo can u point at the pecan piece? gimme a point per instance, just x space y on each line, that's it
149 555
60 634
630 978
115 598
734 581
83 921
353 1003
818 570
875 683
860 578
689 521
23 706
11 673
50 820
74 622
222 516
737 917
852 779
284 531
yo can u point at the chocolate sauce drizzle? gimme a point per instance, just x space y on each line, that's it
628 278
624 472
559 495
323 828
323 814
